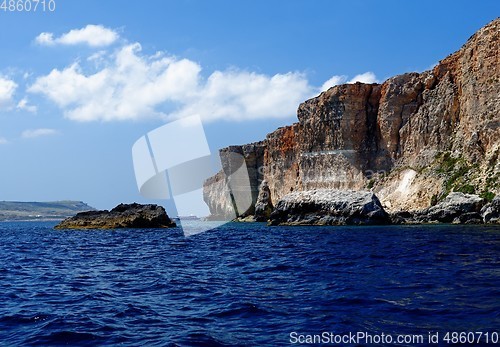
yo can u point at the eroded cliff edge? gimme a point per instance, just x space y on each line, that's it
412 139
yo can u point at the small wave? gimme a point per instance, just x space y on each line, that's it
239 310
65 338
22 319
276 268
201 339
134 311
347 301
428 312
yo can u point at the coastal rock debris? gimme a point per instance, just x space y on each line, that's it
329 207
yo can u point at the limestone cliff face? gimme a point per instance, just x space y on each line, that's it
447 134
412 139
215 190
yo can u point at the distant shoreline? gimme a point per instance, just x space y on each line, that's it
32 220
15 211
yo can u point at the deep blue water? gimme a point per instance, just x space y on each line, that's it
243 284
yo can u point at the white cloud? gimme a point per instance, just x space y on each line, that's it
367 77
45 39
92 35
25 106
98 58
32 133
133 86
3 141
7 90
241 95
128 85
334 81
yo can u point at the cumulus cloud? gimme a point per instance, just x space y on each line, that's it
92 35
129 85
7 90
367 77
33 133
24 105
133 86
241 95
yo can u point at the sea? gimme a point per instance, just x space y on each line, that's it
248 284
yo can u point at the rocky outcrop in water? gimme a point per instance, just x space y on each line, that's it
122 216
412 140
329 207
458 208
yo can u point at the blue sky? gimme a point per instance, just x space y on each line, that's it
78 86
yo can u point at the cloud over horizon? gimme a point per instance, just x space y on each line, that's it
92 35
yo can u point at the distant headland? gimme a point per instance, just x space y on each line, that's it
53 210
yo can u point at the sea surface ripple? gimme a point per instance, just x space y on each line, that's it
243 284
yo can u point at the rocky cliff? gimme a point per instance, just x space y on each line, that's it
215 188
412 139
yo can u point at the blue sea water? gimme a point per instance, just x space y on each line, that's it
244 284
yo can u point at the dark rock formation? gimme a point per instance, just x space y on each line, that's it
122 216
264 205
329 207
412 139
